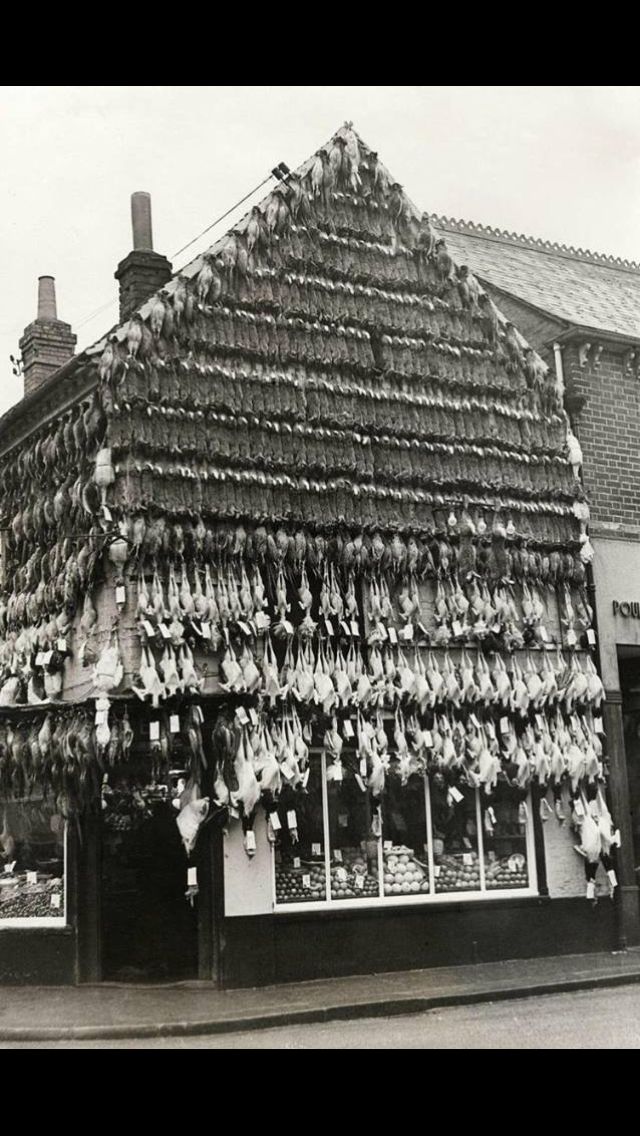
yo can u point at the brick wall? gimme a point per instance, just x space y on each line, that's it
608 426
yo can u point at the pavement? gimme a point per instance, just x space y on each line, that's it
117 1011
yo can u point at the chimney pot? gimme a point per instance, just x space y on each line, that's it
47 298
141 221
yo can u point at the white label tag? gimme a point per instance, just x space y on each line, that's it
46 658
355 630
305 777
341 874
337 855
504 725
347 728
174 724
467 859
292 820
205 629
316 850
121 594
542 631
262 620
578 808
250 840
408 632
154 731
491 815
598 726
360 882
296 861
62 646
56 899
337 772
474 721
247 630
345 626
253 716
192 877
306 881
571 637
393 635
436 870
274 820
40 659
164 631
540 722
329 626
32 877
106 513
148 628
288 627
457 628
363 767
286 772
242 716
360 783
591 637
428 739
387 845
513 867
456 794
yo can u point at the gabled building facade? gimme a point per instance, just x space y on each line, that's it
297 636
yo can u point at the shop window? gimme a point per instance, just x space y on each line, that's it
425 840
33 853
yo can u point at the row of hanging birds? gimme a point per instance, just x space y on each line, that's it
432 413
56 753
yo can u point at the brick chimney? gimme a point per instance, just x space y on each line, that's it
143 271
46 343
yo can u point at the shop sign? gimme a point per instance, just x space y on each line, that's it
626 609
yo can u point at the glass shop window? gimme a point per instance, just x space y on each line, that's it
424 840
32 856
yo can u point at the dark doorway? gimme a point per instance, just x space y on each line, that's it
149 928
629 668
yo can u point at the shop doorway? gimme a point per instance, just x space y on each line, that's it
629 669
149 928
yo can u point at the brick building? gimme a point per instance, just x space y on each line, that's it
580 312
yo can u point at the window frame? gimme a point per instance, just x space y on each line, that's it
417 899
45 922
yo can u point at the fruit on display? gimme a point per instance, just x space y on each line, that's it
20 898
403 873
351 879
458 873
507 872
305 884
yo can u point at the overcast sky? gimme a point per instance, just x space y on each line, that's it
561 163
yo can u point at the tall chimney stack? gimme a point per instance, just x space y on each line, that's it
143 271
46 343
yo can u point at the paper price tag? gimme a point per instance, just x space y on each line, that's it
329 626
286 773
591 637
174 724
253 716
337 772
408 632
347 728
467 859
305 777
363 767
360 883
341 874
513 867
393 636
578 808
250 840
148 629
343 820
436 870
247 630
428 739
205 629
598 726
345 627
504 725
262 620
46 658
540 722
121 594
164 631
316 850
62 646
154 731
274 820
40 659
571 637
296 861
241 715
457 628
387 845
542 631
106 513
292 820
32 877
474 721
306 881
337 855
360 783
192 877
456 794
56 899
382 631
355 630
491 815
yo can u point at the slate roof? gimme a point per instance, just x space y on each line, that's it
583 289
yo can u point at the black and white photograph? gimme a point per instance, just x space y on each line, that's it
320 567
